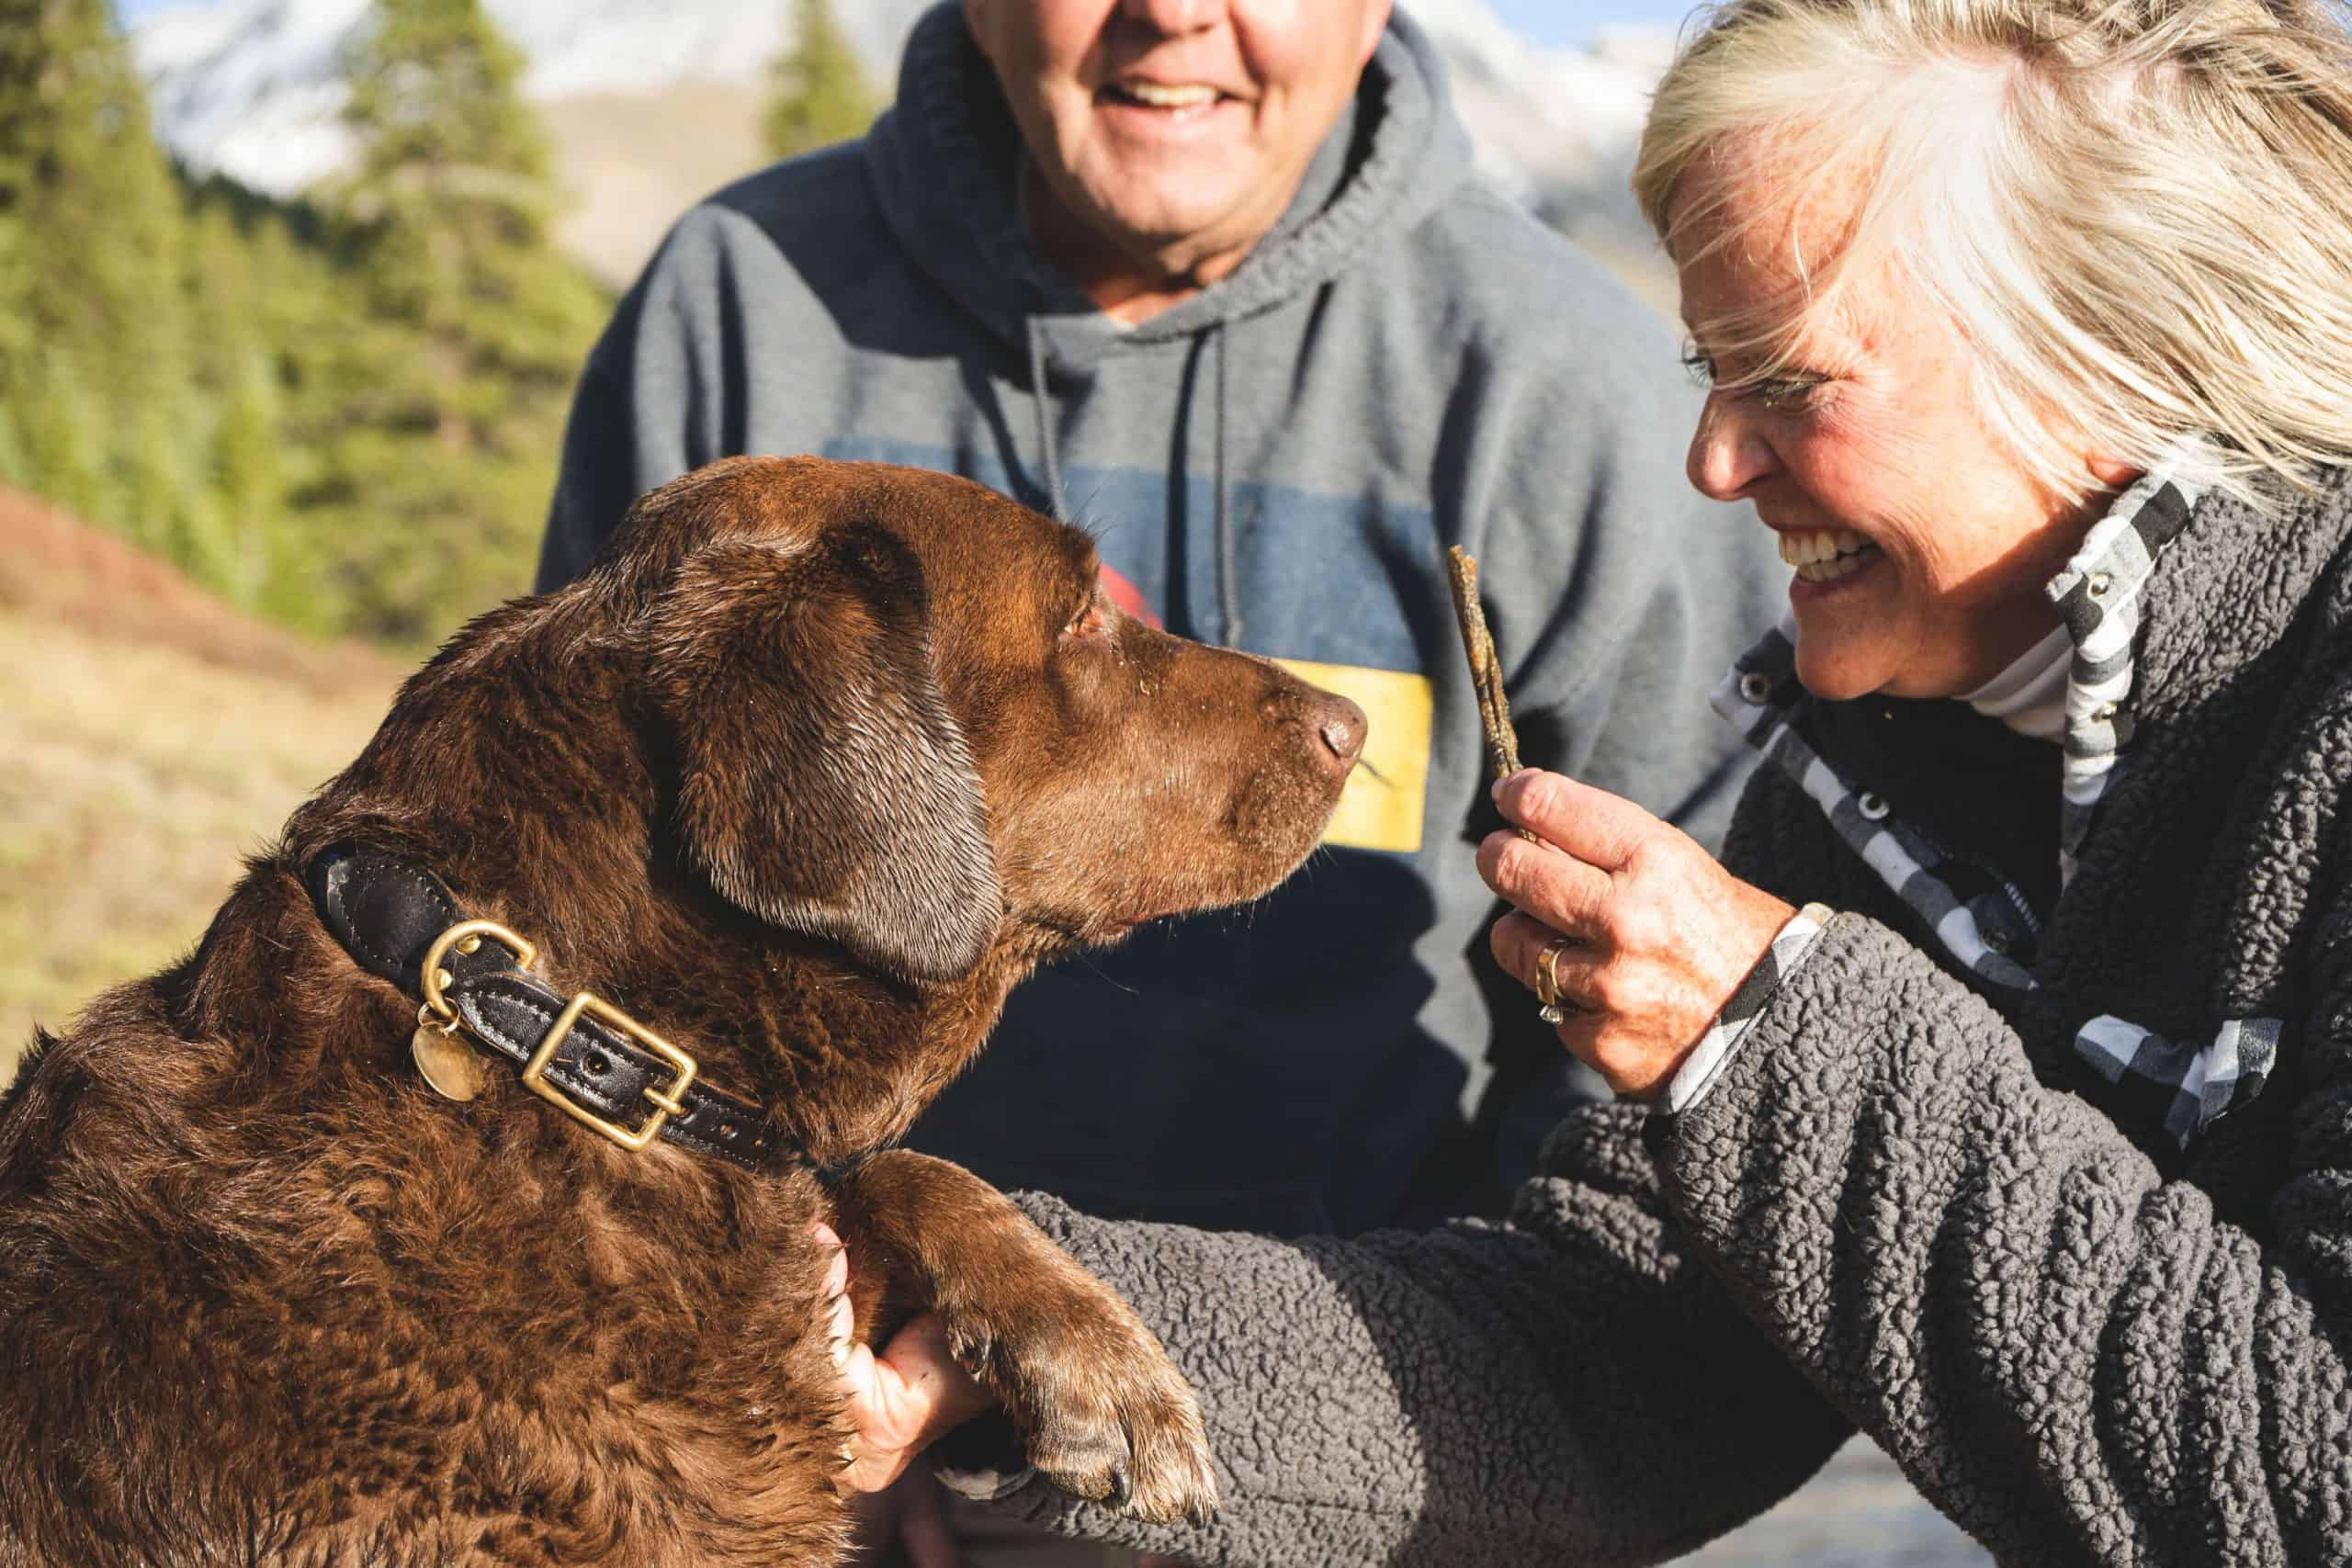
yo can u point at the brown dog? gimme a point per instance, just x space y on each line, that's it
802 779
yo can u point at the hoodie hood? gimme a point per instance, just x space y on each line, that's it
948 166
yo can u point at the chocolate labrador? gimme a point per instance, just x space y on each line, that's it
452 1203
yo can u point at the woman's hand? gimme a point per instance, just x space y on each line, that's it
901 1400
1661 935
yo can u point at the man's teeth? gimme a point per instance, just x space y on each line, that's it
1164 98
1824 554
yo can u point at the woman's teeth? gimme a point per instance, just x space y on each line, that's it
1824 554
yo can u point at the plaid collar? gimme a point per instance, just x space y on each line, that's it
2097 597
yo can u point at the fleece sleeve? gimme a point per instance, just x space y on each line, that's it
1563 1387
2077 1360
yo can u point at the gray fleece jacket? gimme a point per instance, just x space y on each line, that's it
1408 362
2097 1300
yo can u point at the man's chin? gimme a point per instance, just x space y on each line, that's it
1149 219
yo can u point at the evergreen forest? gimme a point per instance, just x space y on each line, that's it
341 412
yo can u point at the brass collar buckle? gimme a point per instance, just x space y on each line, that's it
666 1100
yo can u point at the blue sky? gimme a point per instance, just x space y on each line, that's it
1559 23
1563 24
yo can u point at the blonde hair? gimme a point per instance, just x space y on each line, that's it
2137 212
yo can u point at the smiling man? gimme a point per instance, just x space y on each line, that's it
1216 278
1171 136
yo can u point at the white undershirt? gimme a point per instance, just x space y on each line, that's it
2030 696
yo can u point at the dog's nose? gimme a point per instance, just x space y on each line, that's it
1341 724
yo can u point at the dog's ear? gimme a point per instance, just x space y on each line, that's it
823 784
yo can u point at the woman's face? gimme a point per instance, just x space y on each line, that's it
1919 547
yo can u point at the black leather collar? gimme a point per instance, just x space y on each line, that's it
387 911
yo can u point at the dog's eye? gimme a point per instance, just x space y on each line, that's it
1090 623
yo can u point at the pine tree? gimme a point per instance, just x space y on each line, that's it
456 200
818 94
60 430
94 321
449 397
269 298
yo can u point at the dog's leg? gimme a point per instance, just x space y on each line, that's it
1103 1412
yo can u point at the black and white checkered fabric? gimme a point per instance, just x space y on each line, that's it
1979 919
1757 698
1789 949
2098 598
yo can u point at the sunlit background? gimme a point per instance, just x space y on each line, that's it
1545 22
292 293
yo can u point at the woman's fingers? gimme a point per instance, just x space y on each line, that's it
841 1317
1519 942
1662 932
903 1399
1562 891
899 1400
1596 827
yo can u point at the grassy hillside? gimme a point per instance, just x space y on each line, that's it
148 740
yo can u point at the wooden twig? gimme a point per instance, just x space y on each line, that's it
1486 670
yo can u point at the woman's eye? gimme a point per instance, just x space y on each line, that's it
1785 392
1776 392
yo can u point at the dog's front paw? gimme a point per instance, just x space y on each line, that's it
1098 1408
1134 1441
1105 1414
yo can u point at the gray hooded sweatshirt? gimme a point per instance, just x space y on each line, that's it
1278 463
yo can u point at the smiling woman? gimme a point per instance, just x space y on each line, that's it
1952 297
1920 540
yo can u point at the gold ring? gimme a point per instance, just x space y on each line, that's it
1547 980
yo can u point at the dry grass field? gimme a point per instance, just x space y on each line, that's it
149 740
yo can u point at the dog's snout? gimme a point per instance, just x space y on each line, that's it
1341 724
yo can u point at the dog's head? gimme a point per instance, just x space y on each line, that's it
906 719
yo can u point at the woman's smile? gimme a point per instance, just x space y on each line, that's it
1824 555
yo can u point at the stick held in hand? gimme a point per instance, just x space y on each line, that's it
1486 670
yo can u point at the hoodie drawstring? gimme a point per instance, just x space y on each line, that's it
1228 583
1040 401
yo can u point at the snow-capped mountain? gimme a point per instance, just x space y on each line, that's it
252 87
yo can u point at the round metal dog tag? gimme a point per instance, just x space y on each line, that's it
453 1067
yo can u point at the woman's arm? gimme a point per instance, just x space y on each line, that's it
2075 1358
1567 1387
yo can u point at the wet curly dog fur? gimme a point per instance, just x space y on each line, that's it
815 765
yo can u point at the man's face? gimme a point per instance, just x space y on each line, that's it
1178 130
